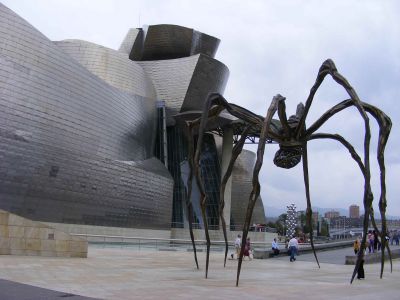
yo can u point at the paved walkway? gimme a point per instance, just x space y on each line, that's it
126 274
10 290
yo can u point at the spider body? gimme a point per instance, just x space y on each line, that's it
292 136
288 157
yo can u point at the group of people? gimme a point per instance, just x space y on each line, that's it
394 237
373 242
238 246
293 246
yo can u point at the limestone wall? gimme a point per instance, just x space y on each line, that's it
20 236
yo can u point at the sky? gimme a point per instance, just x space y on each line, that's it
273 47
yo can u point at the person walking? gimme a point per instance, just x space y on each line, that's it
247 249
293 246
356 245
238 244
370 241
375 234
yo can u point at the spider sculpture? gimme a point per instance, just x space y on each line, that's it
292 136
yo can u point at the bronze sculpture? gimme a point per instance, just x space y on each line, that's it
292 136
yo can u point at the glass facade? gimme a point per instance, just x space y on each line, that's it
159 142
179 168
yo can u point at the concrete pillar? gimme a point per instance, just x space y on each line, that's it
227 145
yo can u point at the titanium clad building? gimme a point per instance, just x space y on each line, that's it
90 135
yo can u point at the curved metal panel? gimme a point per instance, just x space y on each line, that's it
241 188
113 67
63 135
204 44
167 41
171 80
129 40
185 83
209 76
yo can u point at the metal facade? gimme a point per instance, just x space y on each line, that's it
74 148
78 124
241 188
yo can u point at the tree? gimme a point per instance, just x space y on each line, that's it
324 228
280 224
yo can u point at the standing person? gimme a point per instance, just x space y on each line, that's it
360 271
356 245
247 249
275 247
370 241
375 240
238 245
293 245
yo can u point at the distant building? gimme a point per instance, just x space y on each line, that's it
332 214
354 211
315 217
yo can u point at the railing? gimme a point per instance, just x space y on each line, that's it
141 243
257 228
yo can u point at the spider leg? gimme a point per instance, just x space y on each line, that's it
189 204
328 67
237 149
213 106
197 171
358 160
385 125
256 184
194 162
309 210
283 117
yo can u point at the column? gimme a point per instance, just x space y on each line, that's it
227 145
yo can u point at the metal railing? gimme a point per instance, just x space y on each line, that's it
159 244
257 228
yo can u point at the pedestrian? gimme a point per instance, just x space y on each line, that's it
275 247
247 249
370 241
356 245
293 246
238 244
375 240
360 270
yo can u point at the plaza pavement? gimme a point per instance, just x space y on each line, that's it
114 273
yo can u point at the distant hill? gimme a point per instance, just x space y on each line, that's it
322 211
274 212
271 212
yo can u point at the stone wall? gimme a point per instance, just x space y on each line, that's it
20 236
371 258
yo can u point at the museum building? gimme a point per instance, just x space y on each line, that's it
95 136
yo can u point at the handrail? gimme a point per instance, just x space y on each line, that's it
152 239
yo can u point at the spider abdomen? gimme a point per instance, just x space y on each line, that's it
287 157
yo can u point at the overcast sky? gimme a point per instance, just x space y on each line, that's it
275 47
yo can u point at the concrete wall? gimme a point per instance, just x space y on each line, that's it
20 236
